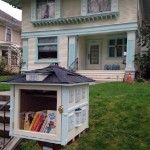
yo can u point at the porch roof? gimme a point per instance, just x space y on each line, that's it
14 3
56 75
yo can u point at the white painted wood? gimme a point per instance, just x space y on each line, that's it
30 134
114 5
83 7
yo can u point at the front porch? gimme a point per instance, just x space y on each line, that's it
104 75
103 57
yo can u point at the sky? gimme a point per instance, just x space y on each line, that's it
14 12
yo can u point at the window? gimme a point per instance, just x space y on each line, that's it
8 35
96 6
117 47
45 9
47 48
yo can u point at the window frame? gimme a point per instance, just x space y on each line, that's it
34 11
84 8
6 31
99 11
46 60
123 45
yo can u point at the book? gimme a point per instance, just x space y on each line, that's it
43 125
33 121
40 122
28 119
51 122
35 124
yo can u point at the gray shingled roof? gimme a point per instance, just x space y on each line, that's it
9 20
56 75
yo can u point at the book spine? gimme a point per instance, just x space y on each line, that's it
33 121
44 124
40 122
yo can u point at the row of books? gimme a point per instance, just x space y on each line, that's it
41 121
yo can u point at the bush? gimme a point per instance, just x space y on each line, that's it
2 64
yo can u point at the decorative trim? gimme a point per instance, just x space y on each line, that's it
131 42
72 49
83 31
25 54
33 10
75 20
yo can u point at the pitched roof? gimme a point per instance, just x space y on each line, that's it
56 75
7 19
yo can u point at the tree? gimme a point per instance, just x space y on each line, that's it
143 60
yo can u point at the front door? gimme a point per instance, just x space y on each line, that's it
93 55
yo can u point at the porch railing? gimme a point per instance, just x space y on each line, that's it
74 66
5 142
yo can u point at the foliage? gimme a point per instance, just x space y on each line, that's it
119 118
29 145
2 64
143 60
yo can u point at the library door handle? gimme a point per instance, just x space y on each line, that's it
61 109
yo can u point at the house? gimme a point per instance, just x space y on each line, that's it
96 38
10 40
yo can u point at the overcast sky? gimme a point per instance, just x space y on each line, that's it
14 12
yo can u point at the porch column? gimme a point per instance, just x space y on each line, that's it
131 42
72 49
9 58
25 55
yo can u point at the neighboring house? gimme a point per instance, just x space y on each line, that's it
91 34
10 40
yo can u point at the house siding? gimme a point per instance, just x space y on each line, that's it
2 33
127 14
16 37
70 8
62 53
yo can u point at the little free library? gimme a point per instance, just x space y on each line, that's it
49 104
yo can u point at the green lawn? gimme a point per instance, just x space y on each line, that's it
4 87
119 118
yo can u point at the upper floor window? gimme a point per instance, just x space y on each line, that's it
47 48
8 35
116 47
96 6
45 9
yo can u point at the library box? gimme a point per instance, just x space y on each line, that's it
49 104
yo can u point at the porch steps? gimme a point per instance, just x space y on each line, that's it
10 143
103 75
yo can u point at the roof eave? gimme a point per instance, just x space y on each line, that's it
14 3
53 84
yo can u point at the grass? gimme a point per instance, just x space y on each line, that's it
119 118
4 87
